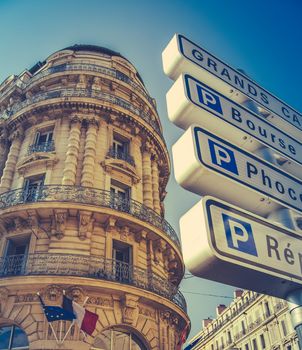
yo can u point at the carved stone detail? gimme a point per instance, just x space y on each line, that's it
124 233
76 293
3 298
58 224
85 224
100 301
52 294
110 224
139 236
130 308
82 82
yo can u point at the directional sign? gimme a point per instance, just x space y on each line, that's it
206 164
229 245
189 101
182 55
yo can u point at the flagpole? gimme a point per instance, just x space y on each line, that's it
61 326
66 334
54 333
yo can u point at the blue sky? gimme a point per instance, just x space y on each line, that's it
262 37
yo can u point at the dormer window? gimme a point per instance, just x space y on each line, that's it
43 142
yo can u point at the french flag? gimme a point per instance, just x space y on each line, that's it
85 319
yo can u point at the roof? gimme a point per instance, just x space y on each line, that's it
91 48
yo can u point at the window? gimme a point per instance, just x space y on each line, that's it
246 346
120 146
284 328
229 337
122 261
255 345
43 138
262 341
15 256
43 142
267 309
118 339
119 196
120 149
222 342
33 187
13 338
243 327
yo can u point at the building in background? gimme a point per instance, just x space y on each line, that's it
84 168
251 322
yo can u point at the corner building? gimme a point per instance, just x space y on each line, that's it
84 168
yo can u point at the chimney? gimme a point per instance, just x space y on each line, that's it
238 293
206 322
220 308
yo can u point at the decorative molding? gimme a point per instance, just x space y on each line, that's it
124 233
58 223
122 167
150 313
85 222
130 308
3 298
76 293
46 159
105 302
52 294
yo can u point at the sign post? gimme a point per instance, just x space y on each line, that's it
242 248
245 148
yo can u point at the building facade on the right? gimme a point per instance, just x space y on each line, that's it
251 322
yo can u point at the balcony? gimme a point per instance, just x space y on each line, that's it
98 96
41 147
91 196
91 267
122 155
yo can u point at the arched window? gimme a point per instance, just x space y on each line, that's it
13 338
117 339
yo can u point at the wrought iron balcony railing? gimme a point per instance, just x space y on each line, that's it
88 195
112 153
103 97
41 147
91 267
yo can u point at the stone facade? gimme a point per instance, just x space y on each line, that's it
251 322
84 168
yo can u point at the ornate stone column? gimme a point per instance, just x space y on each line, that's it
89 154
147 176
155 185
10 165
3 149
71 161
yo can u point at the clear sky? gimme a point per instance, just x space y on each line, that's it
263 37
